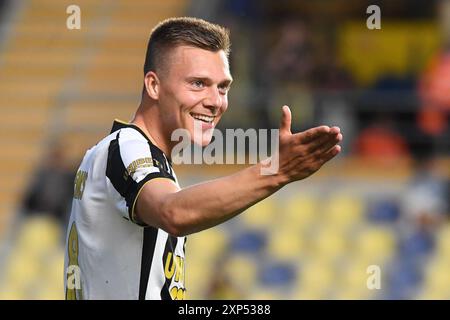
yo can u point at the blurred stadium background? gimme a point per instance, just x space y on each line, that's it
383 202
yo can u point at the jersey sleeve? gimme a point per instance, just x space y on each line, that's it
131 164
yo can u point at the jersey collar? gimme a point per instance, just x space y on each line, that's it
119 124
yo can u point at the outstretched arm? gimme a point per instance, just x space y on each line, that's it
180 212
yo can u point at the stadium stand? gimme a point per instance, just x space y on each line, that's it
50 81
313 240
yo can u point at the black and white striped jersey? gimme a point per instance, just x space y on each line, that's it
110 255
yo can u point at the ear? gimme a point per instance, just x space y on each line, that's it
152 85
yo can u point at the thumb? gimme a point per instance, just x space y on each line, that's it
285 126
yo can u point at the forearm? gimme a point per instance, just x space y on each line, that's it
181 212
208 204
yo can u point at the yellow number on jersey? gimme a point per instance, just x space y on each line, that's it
73 287
80 184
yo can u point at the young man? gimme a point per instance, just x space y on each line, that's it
129 218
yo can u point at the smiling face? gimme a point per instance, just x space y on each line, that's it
193 90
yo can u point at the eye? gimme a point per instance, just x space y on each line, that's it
224 88
198 83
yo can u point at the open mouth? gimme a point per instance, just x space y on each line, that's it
202 117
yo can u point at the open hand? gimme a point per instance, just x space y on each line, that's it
301 154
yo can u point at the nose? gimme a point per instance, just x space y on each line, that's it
213 101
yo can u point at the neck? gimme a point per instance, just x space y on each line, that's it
146 118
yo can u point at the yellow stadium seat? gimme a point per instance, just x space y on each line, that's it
30 117
54 266
434 294
369 54
353 280
12 291
261 216
79 142
38 57
93 86
35 270
95 113
203 250
309 294
207 244
374 244
12 71
241 270
286 244
443 241
328 243
39 235
316 278
22 269
117 61
50 292
198 279
354 294
343 210
263 293
301 211
437 274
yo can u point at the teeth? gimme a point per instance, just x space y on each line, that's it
202 117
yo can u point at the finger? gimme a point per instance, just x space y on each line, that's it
312 134
335 130
323 140
286 118
328 144
331 153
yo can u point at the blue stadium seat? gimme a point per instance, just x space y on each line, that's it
403 280
383 211
249 241
417 244
277 274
